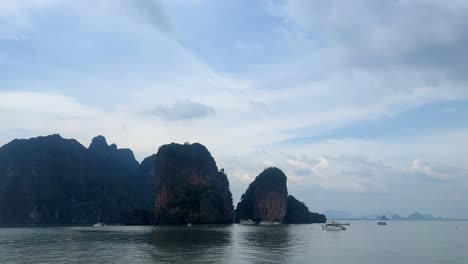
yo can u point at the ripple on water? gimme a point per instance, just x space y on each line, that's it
363 243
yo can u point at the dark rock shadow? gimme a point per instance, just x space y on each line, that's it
196 244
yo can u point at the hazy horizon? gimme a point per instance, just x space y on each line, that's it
363 105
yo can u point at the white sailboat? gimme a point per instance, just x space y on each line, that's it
333 226
247 222
99 223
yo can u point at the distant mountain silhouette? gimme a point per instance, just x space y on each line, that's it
416 216
336 214
333 214
396 217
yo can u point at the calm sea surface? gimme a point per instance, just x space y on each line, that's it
364 243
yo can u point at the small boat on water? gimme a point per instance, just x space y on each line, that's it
99 223
333 226
247 222
252 222
270 223
382 221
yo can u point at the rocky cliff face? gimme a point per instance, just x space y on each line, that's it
52 180
146 176
189 188
265 198
298 213
140 217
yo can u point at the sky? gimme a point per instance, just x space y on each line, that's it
363 104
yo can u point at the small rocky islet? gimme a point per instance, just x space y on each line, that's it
267 201
52 180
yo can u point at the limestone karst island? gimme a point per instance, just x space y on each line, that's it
54 181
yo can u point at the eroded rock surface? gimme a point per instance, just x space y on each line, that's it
265 198
189 187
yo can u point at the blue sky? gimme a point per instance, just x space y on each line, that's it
364 105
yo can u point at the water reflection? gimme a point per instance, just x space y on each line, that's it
260 244
399 242
196 244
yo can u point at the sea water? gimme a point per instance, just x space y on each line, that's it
363 242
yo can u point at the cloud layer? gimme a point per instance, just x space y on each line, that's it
183 110
363 104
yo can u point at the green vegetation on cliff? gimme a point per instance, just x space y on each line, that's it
51 180
298 213
266 197
189 187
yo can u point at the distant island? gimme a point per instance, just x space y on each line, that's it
55 181
334 214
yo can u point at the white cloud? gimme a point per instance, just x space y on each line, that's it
152 12
15 16
14 8
322 164
449 110
244 177
321 80
314 169
426 169
183 110
298 164
36 103
394 32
